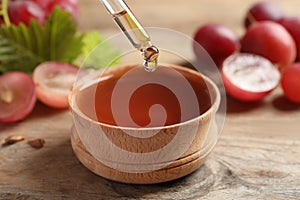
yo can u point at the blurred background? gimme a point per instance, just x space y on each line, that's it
183 16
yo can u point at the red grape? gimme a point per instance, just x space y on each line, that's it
17 96
290 82
73 3
261 11
249 77
53 82
23 11
292 24
218 40
270 40
42 3
70 6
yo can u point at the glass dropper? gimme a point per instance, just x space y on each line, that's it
133 30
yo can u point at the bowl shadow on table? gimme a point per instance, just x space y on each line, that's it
56 170
180 187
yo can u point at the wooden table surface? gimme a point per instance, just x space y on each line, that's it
257 156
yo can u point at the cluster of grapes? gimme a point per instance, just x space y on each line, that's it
267 54
18 90
24 10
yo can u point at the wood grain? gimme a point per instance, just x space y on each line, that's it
241 167
257 156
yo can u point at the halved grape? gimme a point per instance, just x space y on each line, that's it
249 77
290 82
17 96
53 82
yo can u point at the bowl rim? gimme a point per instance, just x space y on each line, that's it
212 109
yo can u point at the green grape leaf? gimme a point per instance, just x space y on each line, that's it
98 52
22 48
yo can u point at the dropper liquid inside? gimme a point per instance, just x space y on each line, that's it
134 32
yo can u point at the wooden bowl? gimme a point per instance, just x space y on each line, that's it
145 155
